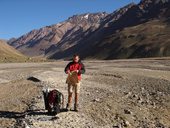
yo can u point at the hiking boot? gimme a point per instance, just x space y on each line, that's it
68 107
76 107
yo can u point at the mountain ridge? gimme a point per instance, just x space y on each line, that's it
84 33
54 33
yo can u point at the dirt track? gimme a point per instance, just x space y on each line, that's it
120 93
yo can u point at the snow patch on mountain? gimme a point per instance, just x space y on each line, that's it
86 16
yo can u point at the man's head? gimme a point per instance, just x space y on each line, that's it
76 58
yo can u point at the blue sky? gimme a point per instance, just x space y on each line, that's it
21 16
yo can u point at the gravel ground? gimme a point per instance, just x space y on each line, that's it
114 94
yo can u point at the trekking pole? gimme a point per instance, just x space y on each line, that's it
62 100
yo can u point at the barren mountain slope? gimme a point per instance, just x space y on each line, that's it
8 53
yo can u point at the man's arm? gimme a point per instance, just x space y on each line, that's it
82 70
67 68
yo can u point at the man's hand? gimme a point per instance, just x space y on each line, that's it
68 71
77 71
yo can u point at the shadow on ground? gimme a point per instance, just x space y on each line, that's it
16 115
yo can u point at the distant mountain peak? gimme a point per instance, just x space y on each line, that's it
91 18
86 16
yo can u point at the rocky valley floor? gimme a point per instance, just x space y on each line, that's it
114 94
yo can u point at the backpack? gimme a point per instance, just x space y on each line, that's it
54 101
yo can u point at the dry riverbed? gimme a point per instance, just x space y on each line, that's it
114 94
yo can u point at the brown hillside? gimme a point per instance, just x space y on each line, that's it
145 40
9 54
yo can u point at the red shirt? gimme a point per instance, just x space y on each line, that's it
73 66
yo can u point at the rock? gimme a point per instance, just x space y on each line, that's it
127 111
116 126
143 90
127 93
25 125
126 123
88 93
97 91
96 100
134 96
153 104
140 100
34 79
39 97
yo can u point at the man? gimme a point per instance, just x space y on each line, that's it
74 69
